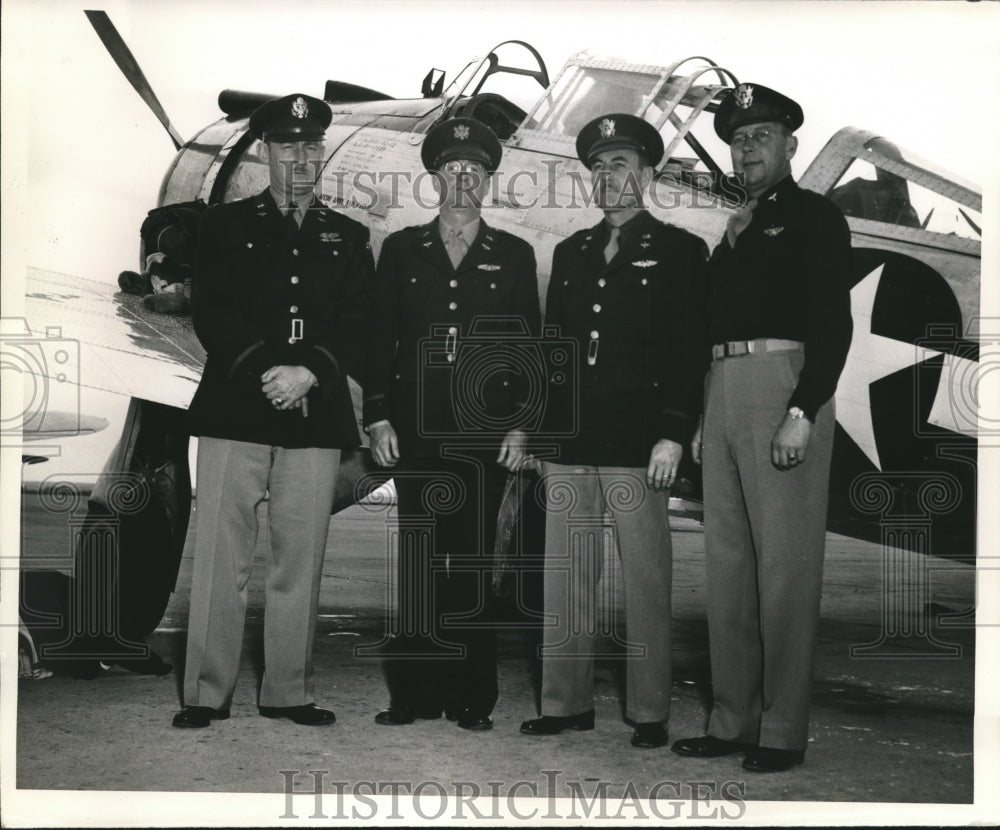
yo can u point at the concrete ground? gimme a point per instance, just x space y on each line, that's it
892 723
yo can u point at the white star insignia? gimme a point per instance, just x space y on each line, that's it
870 358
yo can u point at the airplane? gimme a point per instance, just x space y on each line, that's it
906 448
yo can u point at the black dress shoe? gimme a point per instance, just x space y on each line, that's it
394 716
553 725
707 746
306 715
402 714
198 717
475 720
649 735
763 759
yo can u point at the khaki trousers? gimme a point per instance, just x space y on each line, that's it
578 497
765 531
233 477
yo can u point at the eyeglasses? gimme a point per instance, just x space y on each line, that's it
459 166
757 137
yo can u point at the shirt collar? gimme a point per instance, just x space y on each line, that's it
629 228
301 207
469 230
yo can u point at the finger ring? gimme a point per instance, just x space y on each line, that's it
278 401
792 457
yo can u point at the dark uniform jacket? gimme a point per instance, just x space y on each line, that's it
638 327
268 294
444 342
789 277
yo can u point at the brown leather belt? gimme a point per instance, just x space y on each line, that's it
735 348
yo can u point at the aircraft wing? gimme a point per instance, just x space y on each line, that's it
87 333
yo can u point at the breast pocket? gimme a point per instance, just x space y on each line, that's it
325 260
494 290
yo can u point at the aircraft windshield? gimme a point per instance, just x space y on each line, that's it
672 99
895 190
583 93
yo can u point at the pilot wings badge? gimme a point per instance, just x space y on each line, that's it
300 109
607 127
773 231
485 267
329 237
646 263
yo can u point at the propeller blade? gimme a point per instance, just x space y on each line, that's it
122 56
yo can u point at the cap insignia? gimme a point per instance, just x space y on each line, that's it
607 128
744 96
300 109
461 132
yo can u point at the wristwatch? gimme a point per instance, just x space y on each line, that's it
796 413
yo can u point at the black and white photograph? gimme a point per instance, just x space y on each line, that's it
506 413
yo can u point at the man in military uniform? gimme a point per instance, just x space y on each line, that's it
780 319
442 408
279 302
629 292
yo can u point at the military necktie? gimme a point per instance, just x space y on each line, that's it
291 218
739 221
612 247
455 245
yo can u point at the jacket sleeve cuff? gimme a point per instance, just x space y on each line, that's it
676 426
321 362
376 408
808 407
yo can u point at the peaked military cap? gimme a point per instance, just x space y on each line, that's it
751 104
461 138
295 117
619 131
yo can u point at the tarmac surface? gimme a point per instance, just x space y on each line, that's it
892 718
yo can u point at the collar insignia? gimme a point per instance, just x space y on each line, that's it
428 244
773 197
607 128
643 244
744 96
462 132
300 109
